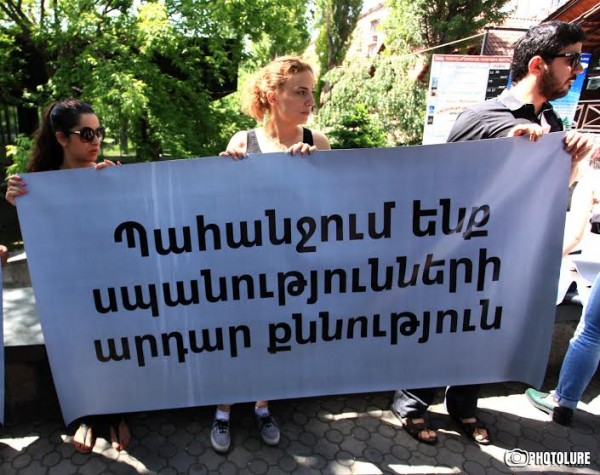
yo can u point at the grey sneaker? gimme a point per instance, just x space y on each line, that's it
268 429
220 438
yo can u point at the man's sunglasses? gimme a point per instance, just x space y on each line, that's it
87 134
574 57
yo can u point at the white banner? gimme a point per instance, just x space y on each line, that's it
206 281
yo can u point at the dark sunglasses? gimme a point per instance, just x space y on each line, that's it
574 57
87 134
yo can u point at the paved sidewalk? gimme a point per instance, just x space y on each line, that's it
353 434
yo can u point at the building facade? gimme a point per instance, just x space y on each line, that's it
368 37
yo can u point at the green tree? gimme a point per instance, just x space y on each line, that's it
152 69
338 20
425 23
382 88
398 101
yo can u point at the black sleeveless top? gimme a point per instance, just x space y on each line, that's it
252 141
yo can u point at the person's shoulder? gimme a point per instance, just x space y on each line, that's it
489 105
241 134
472 123
237 143
239 138
481 109
467 118
320 140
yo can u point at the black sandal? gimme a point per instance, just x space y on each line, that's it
414 429
469 430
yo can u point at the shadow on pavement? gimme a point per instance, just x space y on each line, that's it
323 435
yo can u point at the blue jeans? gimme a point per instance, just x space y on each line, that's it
581 360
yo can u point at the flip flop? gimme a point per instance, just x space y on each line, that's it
80 446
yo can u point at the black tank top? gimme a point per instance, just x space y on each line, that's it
252 141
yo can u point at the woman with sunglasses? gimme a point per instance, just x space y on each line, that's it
69 137
280 96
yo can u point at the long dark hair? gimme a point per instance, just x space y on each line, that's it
60 116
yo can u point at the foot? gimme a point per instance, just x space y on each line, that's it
545 402
84 440
220 438
120 436
268 429
418 429
475 429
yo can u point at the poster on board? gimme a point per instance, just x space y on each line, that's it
456 83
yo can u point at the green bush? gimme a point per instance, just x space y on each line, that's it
356 129
19 155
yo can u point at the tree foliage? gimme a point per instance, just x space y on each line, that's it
18 153
337 22
151 69
426 23
381 87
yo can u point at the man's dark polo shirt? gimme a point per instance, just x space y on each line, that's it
495 117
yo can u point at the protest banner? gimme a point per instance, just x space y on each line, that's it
205 281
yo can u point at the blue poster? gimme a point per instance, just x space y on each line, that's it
206 281
566 106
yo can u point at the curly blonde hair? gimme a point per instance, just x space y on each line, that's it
270 78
